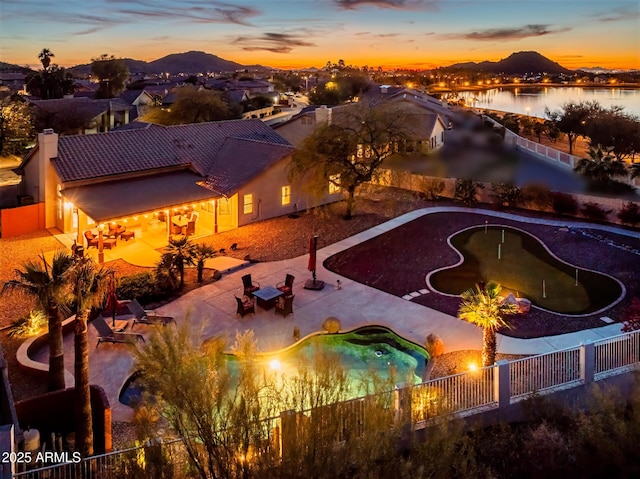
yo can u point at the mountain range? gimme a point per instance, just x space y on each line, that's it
519 63
188 63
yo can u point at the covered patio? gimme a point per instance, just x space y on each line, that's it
114 217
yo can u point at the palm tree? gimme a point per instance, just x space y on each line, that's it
485 308
601 165
201 253
45 57
49 286
90 285
179 253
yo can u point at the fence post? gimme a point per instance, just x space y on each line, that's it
587 362
402 404
501 383
288 432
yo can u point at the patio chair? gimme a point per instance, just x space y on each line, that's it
249 286
92 240
191 228
108 335
284 305
115 230
144 316
286 286
245 306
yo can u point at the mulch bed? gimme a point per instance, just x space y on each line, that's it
398 262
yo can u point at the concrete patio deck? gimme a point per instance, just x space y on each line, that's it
211 311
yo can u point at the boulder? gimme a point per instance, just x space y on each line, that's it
331 325
434 345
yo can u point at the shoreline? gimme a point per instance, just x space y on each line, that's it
620 86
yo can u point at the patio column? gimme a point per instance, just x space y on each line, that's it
82 225
215 215
100 243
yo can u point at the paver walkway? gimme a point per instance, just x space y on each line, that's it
210 311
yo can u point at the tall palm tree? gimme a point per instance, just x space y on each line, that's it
45 57
485 308
201 253
90 285
49 286
600 165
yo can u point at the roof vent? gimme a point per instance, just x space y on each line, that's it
48 131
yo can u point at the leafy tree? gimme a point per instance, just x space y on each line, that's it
339 90
538 130
201 253
54 82
574 118
485 308
193 106
16 127
45 57
70 121
112 74
178 254
48 284
466 191
617 131
90 285
630 214
348 151
600 166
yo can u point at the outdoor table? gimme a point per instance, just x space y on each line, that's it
180 221
267 297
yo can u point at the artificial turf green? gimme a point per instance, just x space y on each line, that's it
523 266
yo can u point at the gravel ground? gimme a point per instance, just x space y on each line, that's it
416 248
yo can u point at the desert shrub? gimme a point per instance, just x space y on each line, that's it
432 188
564 204
145 287
630 214
29 325
537 196
331 325
506 194
632 317
466 191
594 211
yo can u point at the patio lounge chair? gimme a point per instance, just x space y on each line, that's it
287 285
92 240
108 335
144 316
249 286
284 305
246 306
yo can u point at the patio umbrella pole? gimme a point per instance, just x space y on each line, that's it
313 283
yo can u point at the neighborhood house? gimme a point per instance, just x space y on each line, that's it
157 181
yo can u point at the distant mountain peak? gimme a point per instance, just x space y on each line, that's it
518 63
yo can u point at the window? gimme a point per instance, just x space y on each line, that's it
286 195
334 184
248 204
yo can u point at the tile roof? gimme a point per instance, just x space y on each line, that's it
152 147
239 161
83 108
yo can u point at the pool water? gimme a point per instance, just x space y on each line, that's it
370 355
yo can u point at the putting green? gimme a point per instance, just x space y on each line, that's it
527 269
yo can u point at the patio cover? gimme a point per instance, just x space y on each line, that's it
116 199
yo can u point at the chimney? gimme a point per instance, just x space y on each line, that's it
47 181
323 114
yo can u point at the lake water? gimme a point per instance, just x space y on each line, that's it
533 100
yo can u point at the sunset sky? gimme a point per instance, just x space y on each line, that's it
304 33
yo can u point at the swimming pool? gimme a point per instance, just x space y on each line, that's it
368 354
